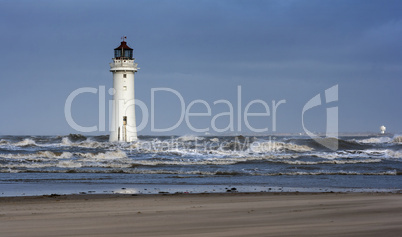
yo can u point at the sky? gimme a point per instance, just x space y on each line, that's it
230 61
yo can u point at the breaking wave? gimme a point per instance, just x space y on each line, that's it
187 138
397 139
278 146
87 143
104 155
379 140
393 154
321 144
374 140
26 142
70 169
66 155
299 162
76 137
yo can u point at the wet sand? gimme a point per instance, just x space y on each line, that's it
231 214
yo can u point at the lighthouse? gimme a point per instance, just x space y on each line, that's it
123 127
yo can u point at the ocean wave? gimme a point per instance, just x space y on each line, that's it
322 144
104 155
69 164
214 139
374 140
65 141
358 154
29 165
73 168
26 142
88 143
379 140
390 172
277 147
187 138
39 165
76 137
397 139
215 146
39 154
385 153
349 145
215 157
187 162
336 162
393 154
275 158
65 155
255 150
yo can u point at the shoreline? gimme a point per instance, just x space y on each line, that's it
39 189
105 196
204 214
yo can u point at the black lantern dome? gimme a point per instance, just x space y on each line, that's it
123 51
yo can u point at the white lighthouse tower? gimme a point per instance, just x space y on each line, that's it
123 127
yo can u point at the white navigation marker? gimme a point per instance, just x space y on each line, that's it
383 128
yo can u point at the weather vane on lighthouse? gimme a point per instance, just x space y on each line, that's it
123 125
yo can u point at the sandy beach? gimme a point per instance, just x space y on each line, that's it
229 214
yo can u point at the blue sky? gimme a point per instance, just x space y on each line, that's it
204 50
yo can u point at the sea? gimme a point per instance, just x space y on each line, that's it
78 164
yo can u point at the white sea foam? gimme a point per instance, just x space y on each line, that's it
85 144
25 142
229 161
232 173
39 154
379 140
299 162
209 148
324 172
91 144
209 161
58 155
374 140
105 155
214 139
186 138
358 154
384 153
28 165
69 164
397 139
270 146
65 141
173 172
393 154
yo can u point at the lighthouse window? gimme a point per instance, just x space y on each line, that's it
128 53
124 75
124 88
117 53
